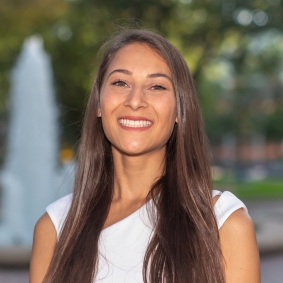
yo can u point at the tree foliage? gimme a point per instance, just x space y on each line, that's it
217 38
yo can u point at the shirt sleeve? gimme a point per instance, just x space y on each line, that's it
225 206
58 211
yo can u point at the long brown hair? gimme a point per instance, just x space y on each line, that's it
185 244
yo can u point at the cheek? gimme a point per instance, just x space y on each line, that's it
168 107
108 103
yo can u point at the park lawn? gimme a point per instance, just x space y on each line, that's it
269 188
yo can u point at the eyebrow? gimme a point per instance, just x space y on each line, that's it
156 75
123 71
127 72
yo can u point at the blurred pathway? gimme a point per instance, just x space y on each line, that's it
14 276
267 216
272 268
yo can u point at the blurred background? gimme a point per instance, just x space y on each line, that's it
48 59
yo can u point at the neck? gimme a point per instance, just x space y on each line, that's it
135 175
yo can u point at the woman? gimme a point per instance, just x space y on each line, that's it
143 209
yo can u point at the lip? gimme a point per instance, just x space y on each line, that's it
135 118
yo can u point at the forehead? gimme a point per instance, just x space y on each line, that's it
139 56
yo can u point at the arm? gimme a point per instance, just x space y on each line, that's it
239 248
42 250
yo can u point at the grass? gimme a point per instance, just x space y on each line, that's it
268 188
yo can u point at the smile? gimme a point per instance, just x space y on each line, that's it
135 123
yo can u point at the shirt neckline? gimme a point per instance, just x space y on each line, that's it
213 193
127 217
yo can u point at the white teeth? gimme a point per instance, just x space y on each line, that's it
134 123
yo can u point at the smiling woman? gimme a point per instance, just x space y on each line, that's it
137 102
143 208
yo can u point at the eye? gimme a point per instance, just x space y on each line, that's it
158 87
119 83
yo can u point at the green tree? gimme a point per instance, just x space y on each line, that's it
205 32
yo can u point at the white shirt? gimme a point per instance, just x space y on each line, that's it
122 246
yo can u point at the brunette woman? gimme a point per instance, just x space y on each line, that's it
143 208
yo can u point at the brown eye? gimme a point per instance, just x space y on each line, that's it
119 83
158 87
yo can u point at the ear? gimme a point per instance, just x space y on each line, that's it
176 120
98 112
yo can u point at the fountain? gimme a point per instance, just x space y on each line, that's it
31 176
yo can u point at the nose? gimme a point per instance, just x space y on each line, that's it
136 99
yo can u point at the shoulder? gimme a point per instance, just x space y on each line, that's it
44 225
44 241
232 214
238 224
225 204
238 240
239 248
46 232
58 210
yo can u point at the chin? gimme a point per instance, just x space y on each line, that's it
132 150
138 149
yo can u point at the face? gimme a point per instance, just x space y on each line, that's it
137 101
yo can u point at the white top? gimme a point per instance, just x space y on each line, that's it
122 245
